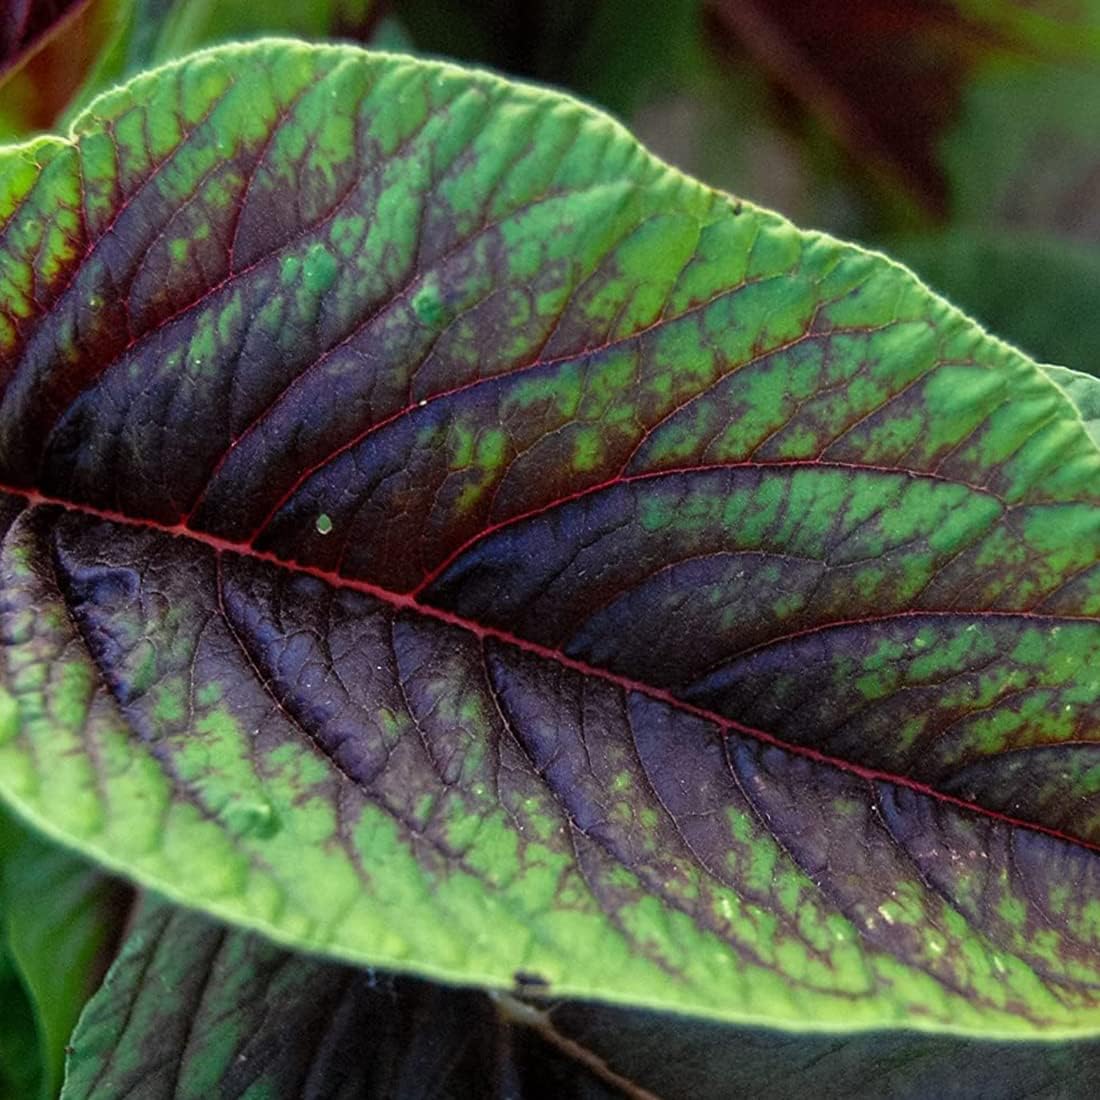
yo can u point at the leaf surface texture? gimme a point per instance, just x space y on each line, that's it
440 534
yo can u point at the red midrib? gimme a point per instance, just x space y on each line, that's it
407 602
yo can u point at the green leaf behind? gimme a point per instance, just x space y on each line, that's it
195 1011
1084 391
59 920
22 1070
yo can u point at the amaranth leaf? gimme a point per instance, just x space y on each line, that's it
195 1011
440 534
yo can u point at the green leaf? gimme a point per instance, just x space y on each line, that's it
441 535
22 1073
194 1011
59 917
676 1058
1084 391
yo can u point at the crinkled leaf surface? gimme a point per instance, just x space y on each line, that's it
195 1011
440 534
1084 391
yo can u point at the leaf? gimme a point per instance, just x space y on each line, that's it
21 1071
441 535
1084 391
1038 292
194 1010
59 920
677 1058
885 76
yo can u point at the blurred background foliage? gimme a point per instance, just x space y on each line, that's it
959 136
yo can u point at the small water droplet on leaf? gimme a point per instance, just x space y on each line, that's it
324 523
